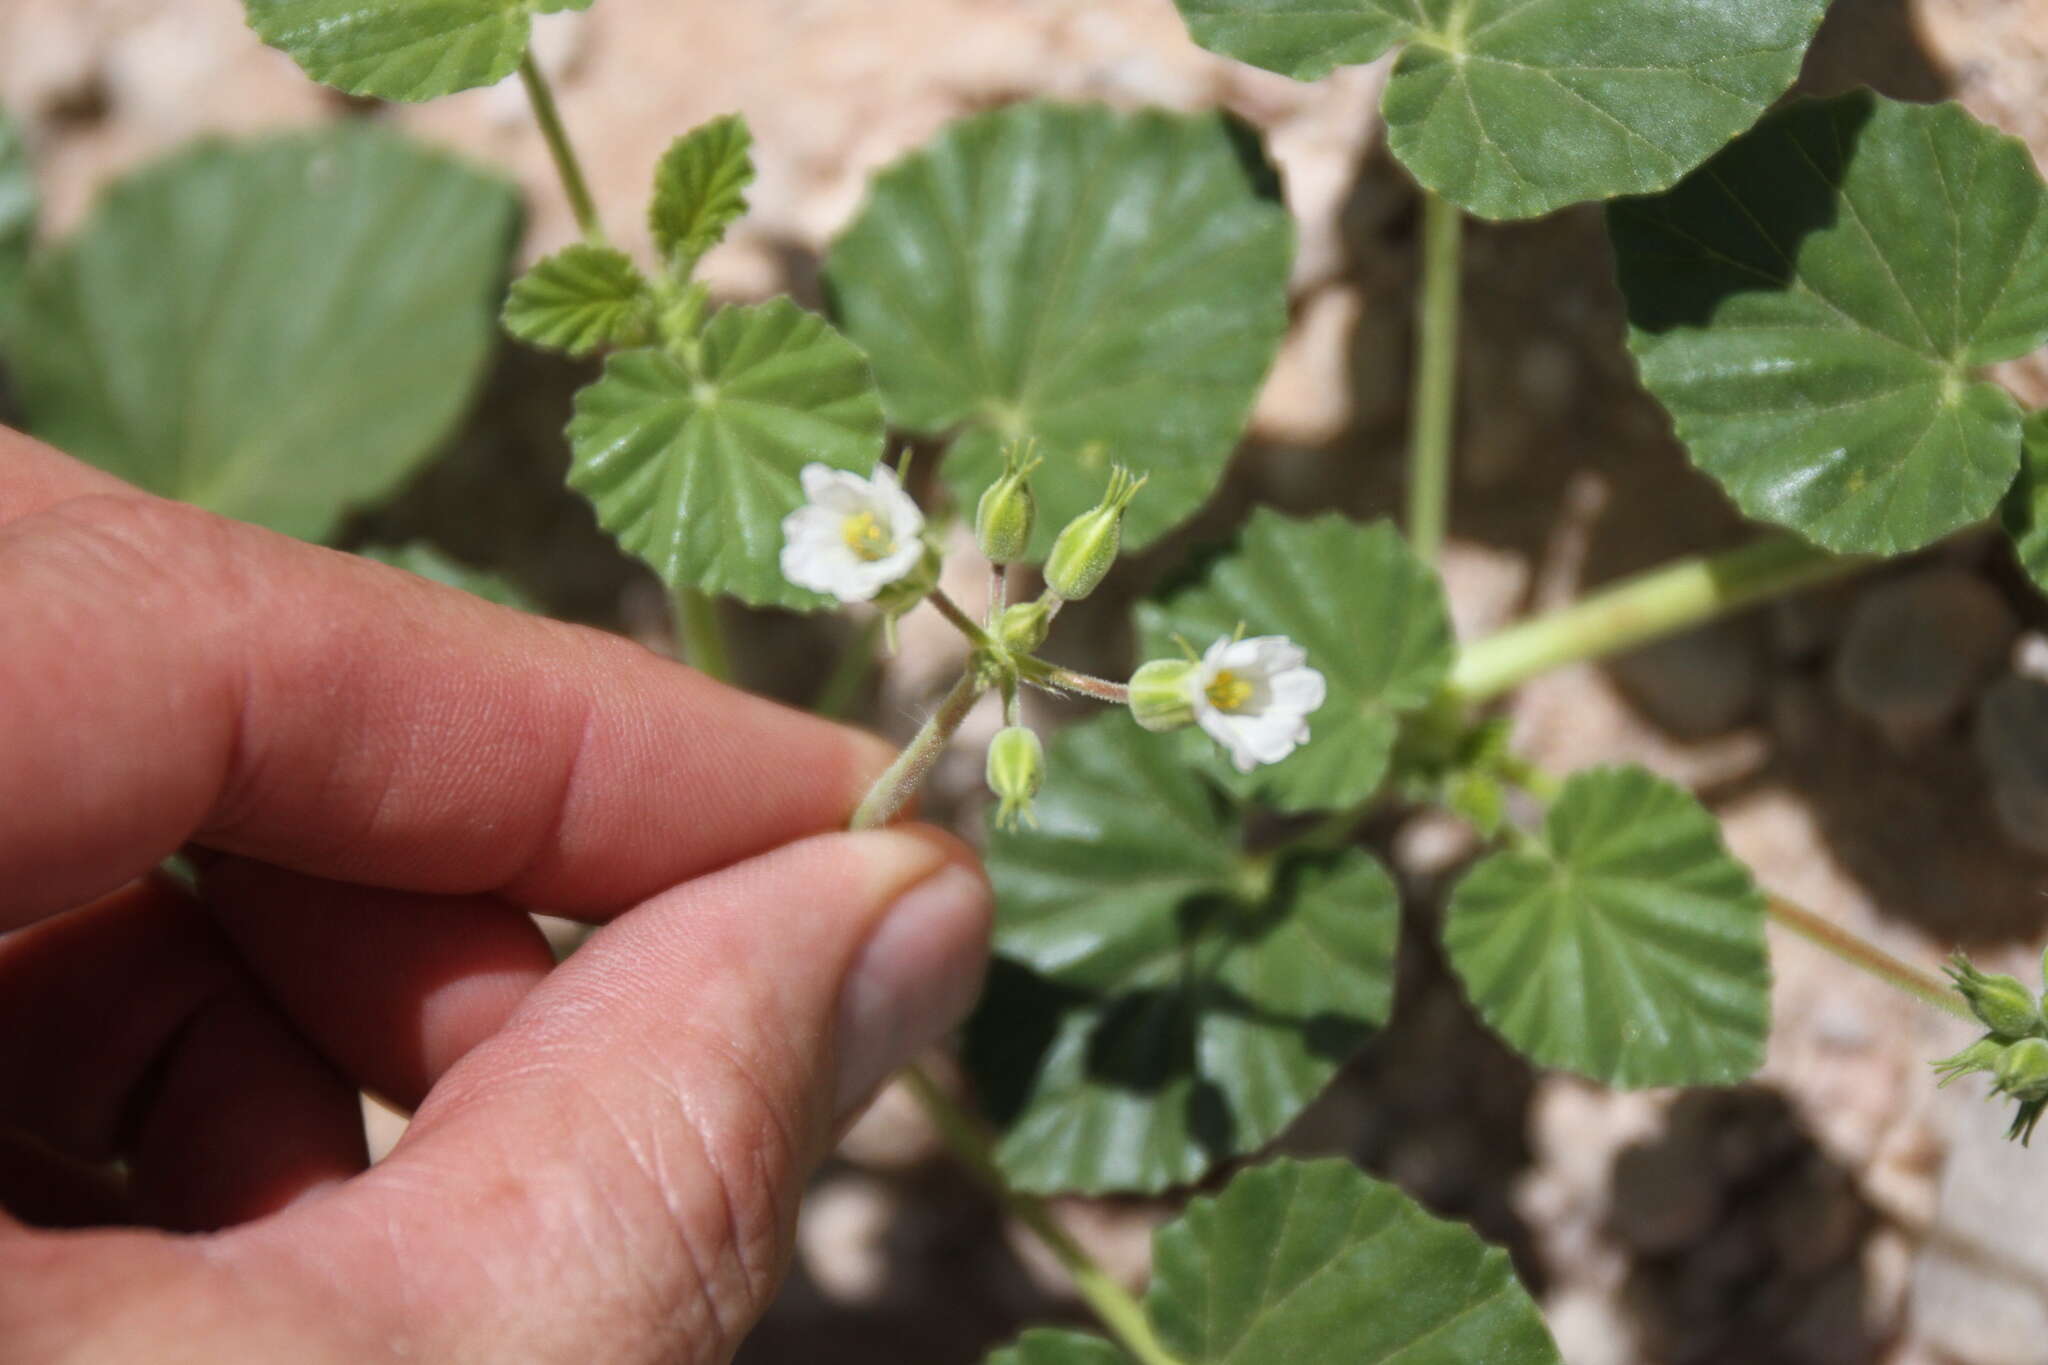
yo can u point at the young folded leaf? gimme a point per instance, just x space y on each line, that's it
581 299
1513 108
700 190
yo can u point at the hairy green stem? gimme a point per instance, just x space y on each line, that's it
1122 1314
567 167
1658 603
894 788
955 613
1053 678
1860 953
700 636
1433 406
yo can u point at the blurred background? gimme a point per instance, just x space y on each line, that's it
1878 750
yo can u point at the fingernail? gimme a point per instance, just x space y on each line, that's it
917 977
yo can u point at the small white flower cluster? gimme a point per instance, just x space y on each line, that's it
854 537
1254 697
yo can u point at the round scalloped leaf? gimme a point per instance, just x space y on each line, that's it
1056 1346
17 214
2025 512
1371 616
1626 945
1164 999
1316 1263
1113 285
693 469
402 49
276 330
1812 305
1513 108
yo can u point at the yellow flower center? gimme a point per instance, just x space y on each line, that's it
1227 692
865 535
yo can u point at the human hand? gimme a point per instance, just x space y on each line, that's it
379 777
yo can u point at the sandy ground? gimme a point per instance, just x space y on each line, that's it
1848 1211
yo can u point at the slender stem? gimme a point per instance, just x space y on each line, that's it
1434 403
1052 677
1661 602
894 788
700 634
1923 986
567 166
1122 1314
953 612
998 590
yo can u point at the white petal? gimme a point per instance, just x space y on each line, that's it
1300 690
1277 653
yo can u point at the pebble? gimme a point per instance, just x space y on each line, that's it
2012 746
1916 649
1699 684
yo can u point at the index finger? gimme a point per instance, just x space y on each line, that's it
167 676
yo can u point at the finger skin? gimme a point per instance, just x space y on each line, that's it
393 986
33 477
174 676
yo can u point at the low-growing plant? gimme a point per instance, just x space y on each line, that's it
1077 307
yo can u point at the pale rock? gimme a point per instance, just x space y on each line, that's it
842 1238
1305 399
1485 585
892 1134
1917 647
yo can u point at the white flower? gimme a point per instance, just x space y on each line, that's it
1253 697
854 537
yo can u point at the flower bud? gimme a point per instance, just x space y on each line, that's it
1023 626
1003 517
1088 545
1016 770
1159 694
2023 1070
1981 1055
2005 1006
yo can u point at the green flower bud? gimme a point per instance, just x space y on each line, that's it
1016 770
1023 626
1089 544
1981 1055
2005 1006
911 589
1159 694
1003 517
2023 1070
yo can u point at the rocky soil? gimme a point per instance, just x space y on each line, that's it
1879 751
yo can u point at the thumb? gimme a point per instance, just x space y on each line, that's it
615 1174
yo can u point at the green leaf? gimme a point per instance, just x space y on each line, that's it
1626 945
428 562
1163 998
402 49
1053 1346
1112 285
1513 108
1371 616
1813 304
276 330
581 299
1315 1263
700 189
2025 513
694 469
17 214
